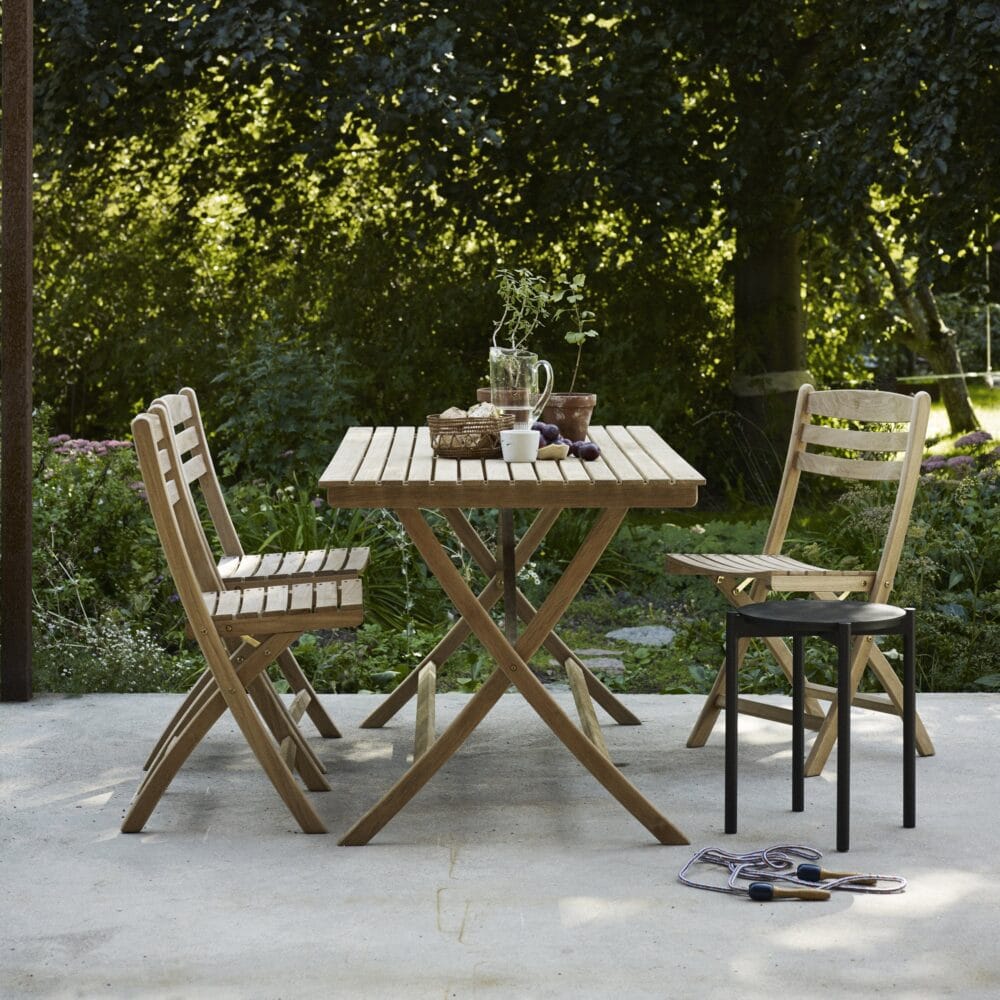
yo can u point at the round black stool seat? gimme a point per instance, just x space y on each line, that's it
809 616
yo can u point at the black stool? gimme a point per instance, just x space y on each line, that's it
838 622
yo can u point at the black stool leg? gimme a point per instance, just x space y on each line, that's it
909 723
843 736
798 725
732 692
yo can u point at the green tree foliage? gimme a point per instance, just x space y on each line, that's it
360 170
910 104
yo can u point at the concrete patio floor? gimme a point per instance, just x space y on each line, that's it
511 874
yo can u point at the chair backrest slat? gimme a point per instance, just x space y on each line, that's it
848 468
194 468
187 439
168 507
861 404
848 438
192 443
176 476
856 406
178 407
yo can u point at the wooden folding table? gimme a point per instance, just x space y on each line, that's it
395 468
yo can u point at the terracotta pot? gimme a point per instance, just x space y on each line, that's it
570 412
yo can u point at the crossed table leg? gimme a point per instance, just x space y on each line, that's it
492 592
512 660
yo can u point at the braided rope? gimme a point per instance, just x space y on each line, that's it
780 864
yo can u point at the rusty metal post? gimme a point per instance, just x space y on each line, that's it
16 331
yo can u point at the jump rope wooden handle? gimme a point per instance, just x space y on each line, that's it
764 892
813 873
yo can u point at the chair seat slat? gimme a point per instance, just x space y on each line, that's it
228 604
302 597
291 564
277 600
253 601
351 594
313 561
327 595
269 564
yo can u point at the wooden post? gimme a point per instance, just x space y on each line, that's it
16 329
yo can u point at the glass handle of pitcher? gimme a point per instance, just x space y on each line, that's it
543 397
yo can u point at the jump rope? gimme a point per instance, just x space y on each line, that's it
792 866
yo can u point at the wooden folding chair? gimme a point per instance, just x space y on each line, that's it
240 633
181 416
747 579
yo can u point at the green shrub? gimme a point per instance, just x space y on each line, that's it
106 616
288 401
949 570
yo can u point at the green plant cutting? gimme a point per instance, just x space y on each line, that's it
571 293
525 296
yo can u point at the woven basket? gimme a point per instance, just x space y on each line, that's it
468 437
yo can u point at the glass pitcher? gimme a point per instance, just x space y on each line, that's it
514 384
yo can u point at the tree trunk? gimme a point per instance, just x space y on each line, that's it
767 294
768 321
941 350
931 337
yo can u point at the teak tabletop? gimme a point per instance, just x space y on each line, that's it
395 467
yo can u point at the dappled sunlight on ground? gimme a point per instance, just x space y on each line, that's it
575 911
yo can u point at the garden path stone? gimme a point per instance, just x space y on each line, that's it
644 635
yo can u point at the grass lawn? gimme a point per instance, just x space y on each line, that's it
985 401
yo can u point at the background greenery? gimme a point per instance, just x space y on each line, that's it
107 616
299 208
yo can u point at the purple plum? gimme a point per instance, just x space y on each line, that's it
588 451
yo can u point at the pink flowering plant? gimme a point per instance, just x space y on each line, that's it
969 453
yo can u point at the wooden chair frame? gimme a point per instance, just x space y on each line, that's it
747 579
240 633
181 416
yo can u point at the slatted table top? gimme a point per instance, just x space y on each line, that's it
395 467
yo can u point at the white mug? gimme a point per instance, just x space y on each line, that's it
519 445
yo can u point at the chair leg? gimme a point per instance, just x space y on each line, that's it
174 724
169 762
233 688
712 706
298 681
188 710
883 670
732 716
844 693
231 693
279 722
798 725
909 723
